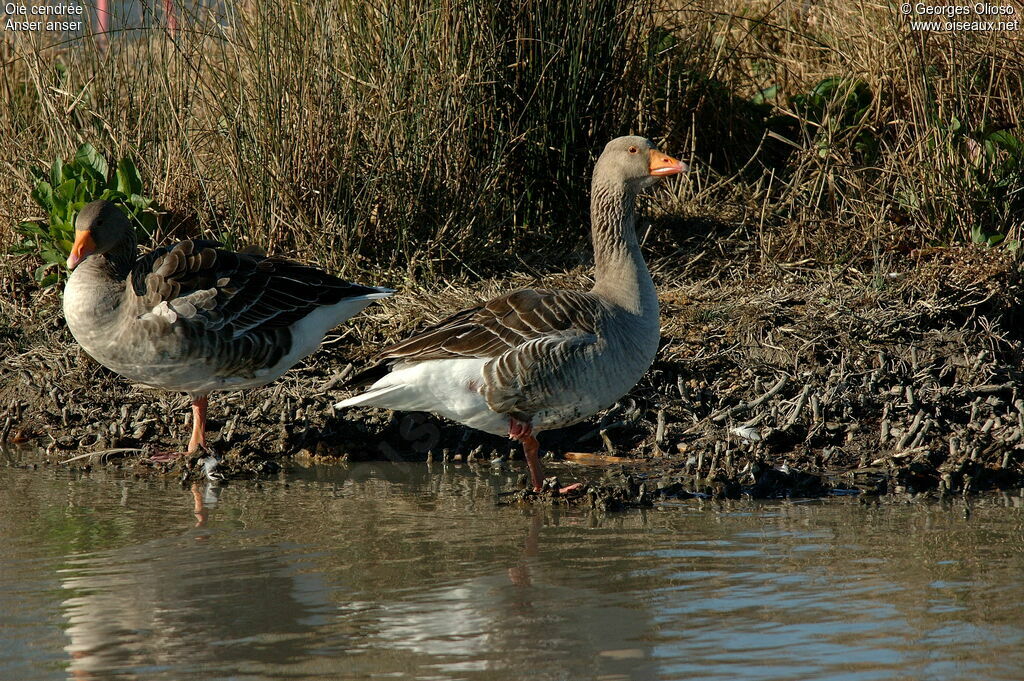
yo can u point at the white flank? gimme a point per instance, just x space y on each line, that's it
447 387
308 332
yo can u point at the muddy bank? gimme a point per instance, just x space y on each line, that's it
776 383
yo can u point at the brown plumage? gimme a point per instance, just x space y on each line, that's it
538 359
499 325
193 316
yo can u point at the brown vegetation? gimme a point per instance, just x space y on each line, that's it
843 165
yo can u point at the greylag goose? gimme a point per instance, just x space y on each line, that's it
193 317
538 359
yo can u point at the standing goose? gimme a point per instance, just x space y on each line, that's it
538 359
193 317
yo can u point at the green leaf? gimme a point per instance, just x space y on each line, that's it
764 95
43 195
26 246
139 203
827 87
979 237
49 280
1007 141
148 221
60 207
60 224
52 256
114 195
71 185
88 157
57 172
128 179
41 271
32 228
66 190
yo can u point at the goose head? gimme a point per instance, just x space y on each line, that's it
635 162
99 228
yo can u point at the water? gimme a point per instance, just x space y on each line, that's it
392 572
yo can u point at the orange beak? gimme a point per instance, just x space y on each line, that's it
661 165
84 245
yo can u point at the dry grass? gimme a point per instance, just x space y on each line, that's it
446 147
918 161
409 141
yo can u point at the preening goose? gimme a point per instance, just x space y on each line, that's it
194 317
538 359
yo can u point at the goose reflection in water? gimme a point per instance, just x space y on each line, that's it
347 599
512 623
509 622
146 610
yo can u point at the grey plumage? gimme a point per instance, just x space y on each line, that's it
193 316
540 358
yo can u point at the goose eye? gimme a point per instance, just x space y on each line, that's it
633 150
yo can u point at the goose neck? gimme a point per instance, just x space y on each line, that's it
620 273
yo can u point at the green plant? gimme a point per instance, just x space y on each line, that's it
438 137
65 189
835 106
982 238
981 167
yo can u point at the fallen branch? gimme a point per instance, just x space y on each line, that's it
103 452
742 407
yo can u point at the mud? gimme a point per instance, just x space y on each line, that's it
772 381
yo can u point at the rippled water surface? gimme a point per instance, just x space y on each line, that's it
391 572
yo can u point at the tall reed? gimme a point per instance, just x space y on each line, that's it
426 138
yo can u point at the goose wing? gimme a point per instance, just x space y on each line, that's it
502 324
529 337
196 284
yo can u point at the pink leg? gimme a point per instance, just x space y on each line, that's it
198 508
523 432
102 20
532 448
172 19
198 438
519 429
